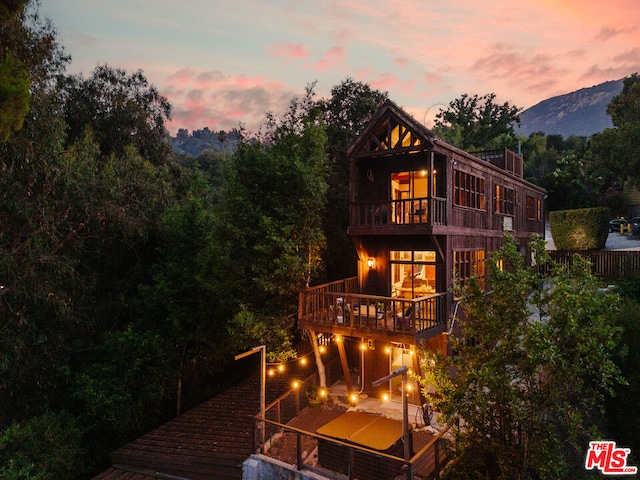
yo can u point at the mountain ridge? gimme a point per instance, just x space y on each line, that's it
582 112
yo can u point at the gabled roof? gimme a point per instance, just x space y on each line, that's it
391 130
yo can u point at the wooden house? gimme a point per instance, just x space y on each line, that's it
421 211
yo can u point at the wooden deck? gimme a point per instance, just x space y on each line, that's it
208 442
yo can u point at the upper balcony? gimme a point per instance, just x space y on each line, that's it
338 308
415 211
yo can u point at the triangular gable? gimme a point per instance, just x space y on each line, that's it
391 130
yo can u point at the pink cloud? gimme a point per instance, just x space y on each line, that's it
400 61
290 51
220 101
333 57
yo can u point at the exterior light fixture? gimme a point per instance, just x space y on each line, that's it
371 263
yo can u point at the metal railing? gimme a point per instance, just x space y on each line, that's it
351 460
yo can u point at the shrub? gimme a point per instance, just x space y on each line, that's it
580 229
45 447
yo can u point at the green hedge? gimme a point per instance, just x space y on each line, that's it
580 229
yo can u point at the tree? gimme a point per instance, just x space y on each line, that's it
616 151
14 95
562 167
478 123
121 110
531 370
46 447
14 79
345 113
31 57
273 198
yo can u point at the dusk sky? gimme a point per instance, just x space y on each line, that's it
222 63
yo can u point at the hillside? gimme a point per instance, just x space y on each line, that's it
582 113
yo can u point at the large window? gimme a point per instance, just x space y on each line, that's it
408 185
410 191
469 263
534 208
413 273
505 200
468 190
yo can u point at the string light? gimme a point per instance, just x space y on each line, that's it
295 384
385 397
323 349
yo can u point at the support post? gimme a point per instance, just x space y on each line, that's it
345 365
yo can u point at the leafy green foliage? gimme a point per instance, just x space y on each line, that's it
274 196
14 95
580 229
345 114
618 148
526 386
9 8
46 447
473 122
121 109
623 426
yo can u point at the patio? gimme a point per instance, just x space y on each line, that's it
296 442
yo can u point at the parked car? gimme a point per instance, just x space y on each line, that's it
614 225
635 225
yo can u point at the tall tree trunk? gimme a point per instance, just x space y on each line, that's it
322 374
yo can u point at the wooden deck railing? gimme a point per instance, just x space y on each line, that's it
413 211
335 305
605 263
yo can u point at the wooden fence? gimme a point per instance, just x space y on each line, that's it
605 263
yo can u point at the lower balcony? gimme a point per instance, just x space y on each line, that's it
338 308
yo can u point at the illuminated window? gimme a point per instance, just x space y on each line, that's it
410 191
413 273
469 263
504 199
468 190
